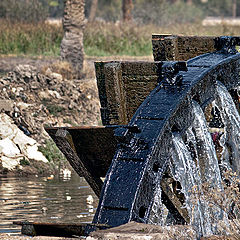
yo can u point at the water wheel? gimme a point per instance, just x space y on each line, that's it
183 135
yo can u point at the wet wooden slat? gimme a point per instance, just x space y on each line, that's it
89 150
57 229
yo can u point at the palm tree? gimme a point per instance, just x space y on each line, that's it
127 7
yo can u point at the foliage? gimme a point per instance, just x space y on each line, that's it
52 153
161 13
151 11
53 7
53 109
22 10
216 7
100 39
24 162
109 10
26 38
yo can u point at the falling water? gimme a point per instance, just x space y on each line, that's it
231 136
194 162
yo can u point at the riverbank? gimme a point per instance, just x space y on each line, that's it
22 237
39 92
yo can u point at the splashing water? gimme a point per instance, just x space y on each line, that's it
196 167
231 120
194 162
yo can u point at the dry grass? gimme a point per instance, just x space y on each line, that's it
26 38
100 39
62 67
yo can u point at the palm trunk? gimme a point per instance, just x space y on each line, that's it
234 8
72 43
93 10
127 7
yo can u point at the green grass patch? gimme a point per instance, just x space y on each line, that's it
52 153
100 39
30 39
110 39
24 162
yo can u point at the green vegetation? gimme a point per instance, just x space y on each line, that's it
100 39
110 39
24 162
54 109
52 153
23 30
31 39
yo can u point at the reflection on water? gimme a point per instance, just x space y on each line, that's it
39 199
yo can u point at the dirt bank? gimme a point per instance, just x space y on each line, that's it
23 237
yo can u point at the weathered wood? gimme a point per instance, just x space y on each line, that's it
57 229
123 86
64 142
181 48
89 150
165 185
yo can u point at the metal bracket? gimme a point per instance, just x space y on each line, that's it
170 72
227 45
123 134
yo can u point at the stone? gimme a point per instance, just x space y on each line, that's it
33 105
5 129
54 94
137 231
230 237
32 153
6 105
8 148
57 76
15 145
10 163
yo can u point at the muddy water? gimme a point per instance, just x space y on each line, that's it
41 199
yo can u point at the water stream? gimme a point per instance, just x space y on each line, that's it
195 164
41 199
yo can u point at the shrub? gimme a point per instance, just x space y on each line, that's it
52 153
26 38
22 11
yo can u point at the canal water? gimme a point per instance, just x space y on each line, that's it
63 199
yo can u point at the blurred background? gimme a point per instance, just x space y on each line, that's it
34 26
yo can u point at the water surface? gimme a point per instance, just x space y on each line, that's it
41 199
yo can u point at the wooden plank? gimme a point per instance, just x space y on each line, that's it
175 200
58 229
89 150
181 48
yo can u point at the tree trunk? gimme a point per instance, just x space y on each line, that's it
93 10
127 7
72 42
234 8
189 2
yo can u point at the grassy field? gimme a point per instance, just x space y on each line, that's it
100 39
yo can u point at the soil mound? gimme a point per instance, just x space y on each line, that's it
34 98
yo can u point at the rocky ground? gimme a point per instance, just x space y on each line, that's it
38 92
